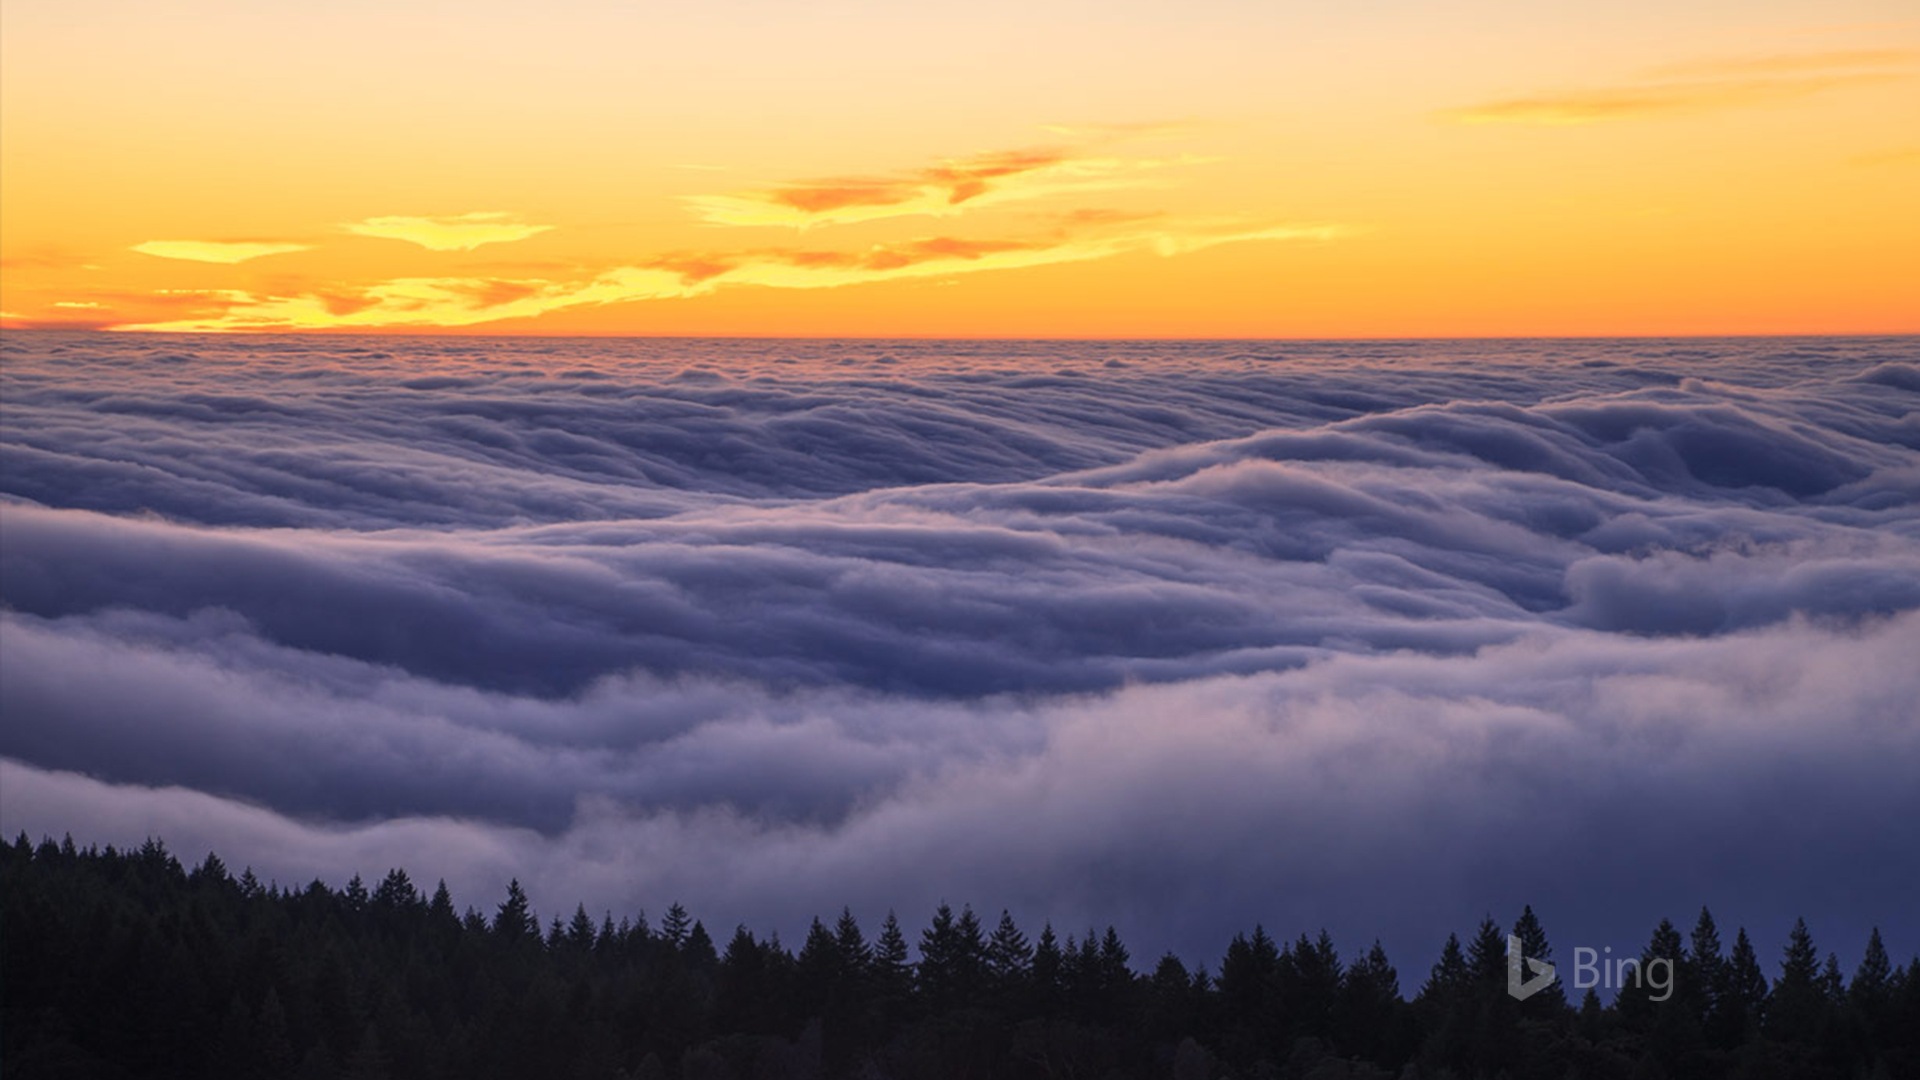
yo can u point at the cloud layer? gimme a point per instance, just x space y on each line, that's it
1174 636
469 301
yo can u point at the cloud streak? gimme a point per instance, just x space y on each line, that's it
217 251
463 232
1697 87
939 190
466 301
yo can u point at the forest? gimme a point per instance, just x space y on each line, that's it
125 963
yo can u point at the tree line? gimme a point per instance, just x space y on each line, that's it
127 964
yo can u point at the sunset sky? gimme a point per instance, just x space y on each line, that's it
1212 168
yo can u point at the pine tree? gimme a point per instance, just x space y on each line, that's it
440 908
1116 963
1450 976
1367 1006
1799 998
580 932
515 920
1310 980
1534 946
1659 967
675 927
1487 958
1246 985
821 967
1745 998
1833 985
210 872
355 895
971 956
1048 970
699 951
1875 973
893 974
854 952
1871 994
395 892
1447 1006
1704 975
952 958
1009 957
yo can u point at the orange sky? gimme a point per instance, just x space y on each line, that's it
1212 168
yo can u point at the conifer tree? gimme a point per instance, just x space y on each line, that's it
355 895
1704 975
1450 976
676 926
515 921
893 972
1534 946
1049 969
970 958
1487 959
821 968
1367 1005
440 908
699 951
1798 1002
1875 973
854 952
395 892
1870 996
1009 957
1745 997
938 944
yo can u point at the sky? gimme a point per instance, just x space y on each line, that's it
1120 169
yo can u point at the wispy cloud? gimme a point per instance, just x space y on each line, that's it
466 301
217 251
462 232
937 190
1697 87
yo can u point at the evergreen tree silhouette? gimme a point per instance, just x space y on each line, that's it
395 893
514 921
1798 1006
1704 976
1048 976
854 951
1745 997
1870 997
1009 959
122 963
1534 946
675 927
1366 1014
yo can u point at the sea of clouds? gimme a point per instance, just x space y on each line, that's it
1179 637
